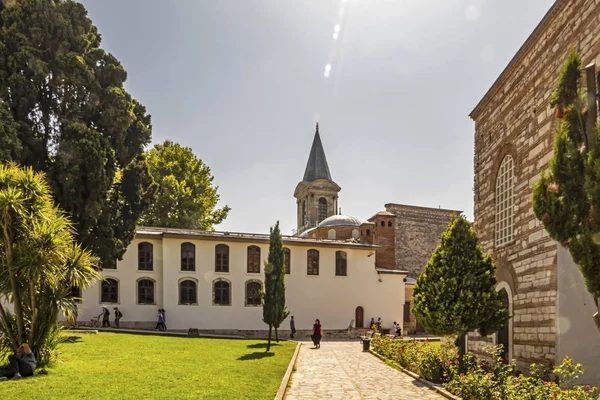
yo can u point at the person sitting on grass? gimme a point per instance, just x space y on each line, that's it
21 364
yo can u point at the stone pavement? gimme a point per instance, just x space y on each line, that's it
340 370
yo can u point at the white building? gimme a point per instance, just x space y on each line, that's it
340 270
210 281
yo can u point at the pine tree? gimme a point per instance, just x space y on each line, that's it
567 197
456 293
274 309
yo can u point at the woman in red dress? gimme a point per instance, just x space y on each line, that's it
316 336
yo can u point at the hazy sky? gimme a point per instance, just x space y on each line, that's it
242 82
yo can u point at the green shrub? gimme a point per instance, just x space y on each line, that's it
491 378
432 362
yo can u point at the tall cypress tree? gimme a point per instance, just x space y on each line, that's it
567 197
274 309
64 111
455 294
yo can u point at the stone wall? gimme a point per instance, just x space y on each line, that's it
418 232
514 118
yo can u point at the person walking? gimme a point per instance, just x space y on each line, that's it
317 334
105 317
118 316
160 322
292 327
164 319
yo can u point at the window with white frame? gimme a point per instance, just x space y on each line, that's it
504 232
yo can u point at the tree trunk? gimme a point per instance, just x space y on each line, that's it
9 332
597 315
276 335
461 344
17 300
33 313
269 340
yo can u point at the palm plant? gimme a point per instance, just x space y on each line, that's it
40 263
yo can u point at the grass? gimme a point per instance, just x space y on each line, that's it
124 366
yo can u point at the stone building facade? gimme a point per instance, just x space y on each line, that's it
418 232
514 135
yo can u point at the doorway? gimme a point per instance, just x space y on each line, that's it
503 338
359 315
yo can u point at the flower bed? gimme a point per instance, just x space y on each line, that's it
479 379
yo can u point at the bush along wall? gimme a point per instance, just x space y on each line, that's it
491 378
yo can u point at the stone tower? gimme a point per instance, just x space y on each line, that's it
317 194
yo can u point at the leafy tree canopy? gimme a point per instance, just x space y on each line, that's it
186 196
64 111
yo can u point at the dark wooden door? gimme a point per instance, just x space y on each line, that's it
359 317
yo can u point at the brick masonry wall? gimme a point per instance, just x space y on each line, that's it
418 232
385 237
515 118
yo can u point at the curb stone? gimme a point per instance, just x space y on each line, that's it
438 388
288 374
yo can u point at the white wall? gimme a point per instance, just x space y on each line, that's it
578 337
332 299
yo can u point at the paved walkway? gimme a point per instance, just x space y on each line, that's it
340 370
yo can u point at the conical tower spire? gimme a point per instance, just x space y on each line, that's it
317 167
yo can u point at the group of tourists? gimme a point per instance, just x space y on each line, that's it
105 315
21 364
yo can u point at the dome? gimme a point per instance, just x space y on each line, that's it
339 220
304 234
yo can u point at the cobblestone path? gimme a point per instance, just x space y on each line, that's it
340 370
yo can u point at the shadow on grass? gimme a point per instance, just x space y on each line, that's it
255 356
261 345
72 339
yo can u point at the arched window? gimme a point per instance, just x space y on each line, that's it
341 263
287 260
331 234
312 267
110 291
322 210
145 256
145 291
254 259
253 293
221 293
221 258
188 257
389 224
382 223
505 202
368 232
188 292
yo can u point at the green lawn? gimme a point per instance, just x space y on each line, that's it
125 366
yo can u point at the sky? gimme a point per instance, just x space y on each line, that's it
391 83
